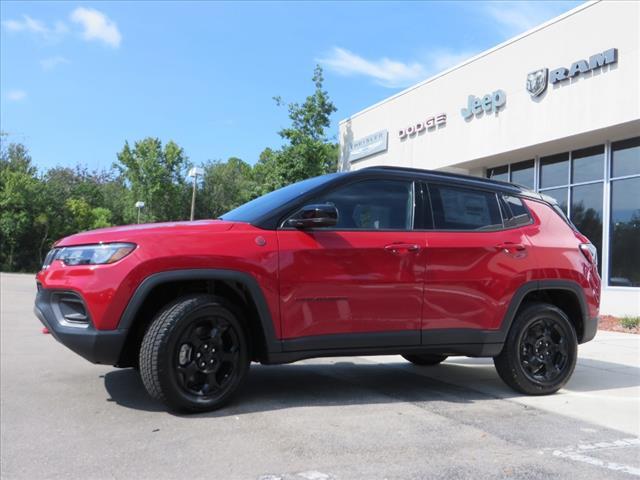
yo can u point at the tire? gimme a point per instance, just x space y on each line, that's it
425 359
540 351
195 354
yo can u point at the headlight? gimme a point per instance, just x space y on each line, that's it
94 254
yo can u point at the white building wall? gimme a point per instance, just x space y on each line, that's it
587 103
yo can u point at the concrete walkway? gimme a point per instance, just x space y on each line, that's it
604 389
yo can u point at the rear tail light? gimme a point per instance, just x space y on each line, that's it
590 253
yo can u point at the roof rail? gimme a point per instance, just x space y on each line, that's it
445 175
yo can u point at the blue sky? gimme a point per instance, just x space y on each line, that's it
77 79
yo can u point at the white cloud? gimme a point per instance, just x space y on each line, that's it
52 62
16 95
36 27
518 17
388 72
440 60
97 26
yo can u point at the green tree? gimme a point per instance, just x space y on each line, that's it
308 152
100 217
155 176
18 207
69 198
225 186
80 213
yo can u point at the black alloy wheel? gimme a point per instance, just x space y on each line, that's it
195 354
207 356
540 351
543 351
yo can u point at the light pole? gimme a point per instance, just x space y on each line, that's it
194 172
139 206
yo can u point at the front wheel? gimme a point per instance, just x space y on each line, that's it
195 354
540 352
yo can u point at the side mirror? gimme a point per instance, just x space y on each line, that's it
310 216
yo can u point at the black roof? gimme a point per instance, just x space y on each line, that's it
454 178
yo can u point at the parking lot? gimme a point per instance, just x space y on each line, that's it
340 418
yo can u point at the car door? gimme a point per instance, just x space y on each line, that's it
360 282
475 261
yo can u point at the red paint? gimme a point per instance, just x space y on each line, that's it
107 289
327 282
339 282
472 276
558 256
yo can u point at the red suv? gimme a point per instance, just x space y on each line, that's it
377 261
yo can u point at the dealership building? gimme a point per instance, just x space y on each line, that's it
556 109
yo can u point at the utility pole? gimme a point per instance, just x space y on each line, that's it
194 172
139 206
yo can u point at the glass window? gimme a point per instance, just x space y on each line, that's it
255 209
626 157
560 194
514 212
498 173
372 205
522 173
464 209
624 268
586 212
587 164
554 170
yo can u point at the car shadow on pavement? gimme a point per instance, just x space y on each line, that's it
270 388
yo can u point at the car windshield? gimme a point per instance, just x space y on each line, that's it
255 209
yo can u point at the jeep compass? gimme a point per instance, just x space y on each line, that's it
382 260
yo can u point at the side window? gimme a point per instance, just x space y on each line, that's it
373 205
456 208
514 212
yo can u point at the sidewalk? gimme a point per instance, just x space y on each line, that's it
604 389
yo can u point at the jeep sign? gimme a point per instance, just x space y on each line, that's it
489 103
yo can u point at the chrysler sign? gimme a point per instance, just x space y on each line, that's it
363 147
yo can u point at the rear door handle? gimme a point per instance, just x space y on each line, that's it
509 247
402 247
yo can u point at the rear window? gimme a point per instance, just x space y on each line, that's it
456 208
514 212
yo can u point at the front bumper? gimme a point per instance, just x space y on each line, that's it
97 346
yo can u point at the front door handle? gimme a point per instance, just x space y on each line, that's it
399 248
510 247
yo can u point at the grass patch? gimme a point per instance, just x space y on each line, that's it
630 322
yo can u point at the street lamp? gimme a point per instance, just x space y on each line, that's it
139 206
194 172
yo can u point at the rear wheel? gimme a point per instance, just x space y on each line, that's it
540 352
195 354
425 359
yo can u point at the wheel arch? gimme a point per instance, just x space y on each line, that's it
565 294
155 291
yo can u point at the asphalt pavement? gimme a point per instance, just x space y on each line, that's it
321 419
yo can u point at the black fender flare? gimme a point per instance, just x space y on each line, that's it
149 283
541 285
